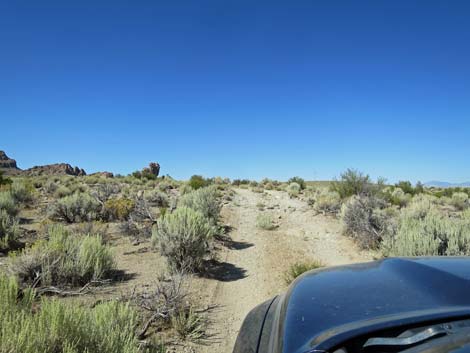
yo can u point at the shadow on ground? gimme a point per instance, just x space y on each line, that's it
231 244
122 276
223 271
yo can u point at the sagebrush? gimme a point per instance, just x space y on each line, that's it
183 237
54 326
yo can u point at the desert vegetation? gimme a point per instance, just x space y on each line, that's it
70 236
58 234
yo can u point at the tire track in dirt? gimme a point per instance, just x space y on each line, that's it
253 266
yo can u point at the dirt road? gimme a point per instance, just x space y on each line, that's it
253 264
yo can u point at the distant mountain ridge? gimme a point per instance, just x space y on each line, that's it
445 184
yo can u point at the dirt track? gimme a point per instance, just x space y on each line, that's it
253 264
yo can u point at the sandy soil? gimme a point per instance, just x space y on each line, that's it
253 264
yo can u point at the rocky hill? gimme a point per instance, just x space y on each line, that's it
9 167
54 169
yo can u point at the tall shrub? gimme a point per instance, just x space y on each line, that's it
205 201
183 237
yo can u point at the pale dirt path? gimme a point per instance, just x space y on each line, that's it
254 265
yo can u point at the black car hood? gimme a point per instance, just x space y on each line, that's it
325 307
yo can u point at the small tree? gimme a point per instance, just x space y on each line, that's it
197 182
352 182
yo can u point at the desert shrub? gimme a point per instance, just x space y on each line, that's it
22 191
297 180
269 186
258 189
64 259
8 203
431 234
399 197
78 207
50 187
183 238
420 206
118 209
105 190
157 198
62 191
165 185
169 303
265 221
293 189
326 201
205 201
189 324
299 268
185 188
351 182
197 182
55 326
8 229
4 180
363 220
408 188
460 200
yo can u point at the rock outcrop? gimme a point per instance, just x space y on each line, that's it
6 162
55 169
103 174
8 165
152 169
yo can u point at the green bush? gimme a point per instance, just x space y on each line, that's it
4 180
299 181
197 182
299 268
351 182
265 221
79 207
64 259
8 203
408 188
429 234
364 221
293 189
8 229
205 201
183 237
55 326
118 209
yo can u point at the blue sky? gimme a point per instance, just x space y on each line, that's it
245 89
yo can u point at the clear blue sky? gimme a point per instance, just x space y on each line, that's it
239 88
